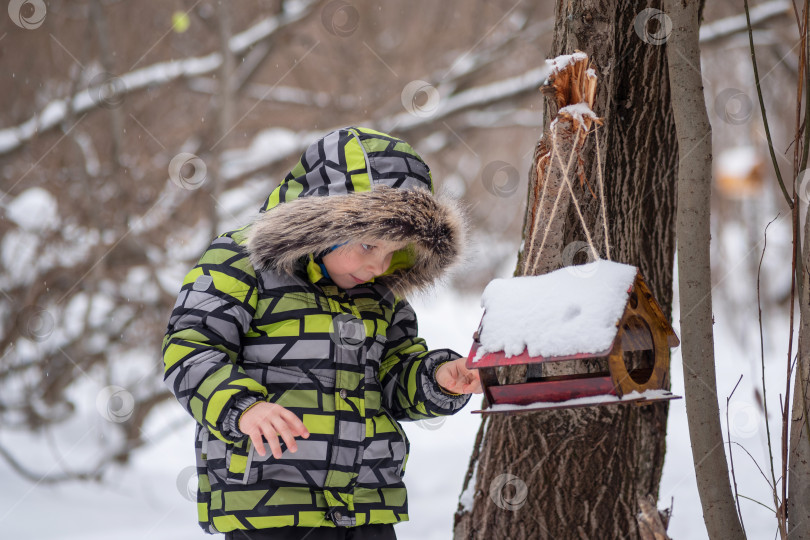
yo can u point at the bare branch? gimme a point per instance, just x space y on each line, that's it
762 109
156 74
731 455
730 26
278 94
468 99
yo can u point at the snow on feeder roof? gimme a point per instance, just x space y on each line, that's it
571 310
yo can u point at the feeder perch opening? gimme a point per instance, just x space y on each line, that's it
602 313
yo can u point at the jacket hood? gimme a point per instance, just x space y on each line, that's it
359 185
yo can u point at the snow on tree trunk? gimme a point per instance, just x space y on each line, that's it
580 473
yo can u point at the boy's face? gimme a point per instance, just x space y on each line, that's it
353 264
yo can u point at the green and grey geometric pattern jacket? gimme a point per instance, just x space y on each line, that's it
257 320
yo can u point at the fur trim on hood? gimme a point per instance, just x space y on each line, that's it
359 185
434 230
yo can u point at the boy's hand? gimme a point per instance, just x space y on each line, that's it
457 379
271 421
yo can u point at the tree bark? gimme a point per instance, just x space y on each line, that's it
799 457
694 271
579 473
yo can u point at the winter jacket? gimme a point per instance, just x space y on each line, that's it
257 320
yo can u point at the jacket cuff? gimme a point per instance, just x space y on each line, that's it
446 401
230 426
436 378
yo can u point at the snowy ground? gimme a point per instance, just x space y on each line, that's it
151 499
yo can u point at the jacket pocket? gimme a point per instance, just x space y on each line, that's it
401 448
238 463
305 468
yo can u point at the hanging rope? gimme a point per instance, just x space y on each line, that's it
527 259
594 252
565 170
601 191
533 262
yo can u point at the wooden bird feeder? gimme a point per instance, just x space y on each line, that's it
598 311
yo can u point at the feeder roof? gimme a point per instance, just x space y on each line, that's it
572 310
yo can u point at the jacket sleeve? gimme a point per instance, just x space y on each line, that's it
408 372
202 346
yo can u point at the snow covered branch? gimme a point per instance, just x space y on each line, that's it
157 74
473 98
730 26
279 94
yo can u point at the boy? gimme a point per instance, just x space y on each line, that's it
294 330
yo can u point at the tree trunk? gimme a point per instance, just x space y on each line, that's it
799 456
579 473
694 271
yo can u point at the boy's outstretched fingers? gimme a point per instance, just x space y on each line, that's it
472 384
272 421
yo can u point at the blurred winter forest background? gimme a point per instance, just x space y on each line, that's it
131 133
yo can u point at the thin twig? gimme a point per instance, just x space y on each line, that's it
731 455
768 482
759 503
762 362
762 108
